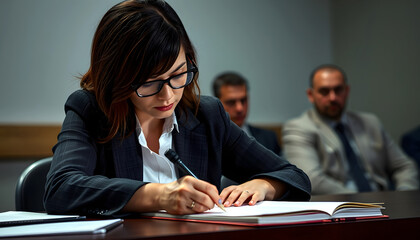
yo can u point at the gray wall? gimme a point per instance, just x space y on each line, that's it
44 44
378 43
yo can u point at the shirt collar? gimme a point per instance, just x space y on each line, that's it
344 120
168 126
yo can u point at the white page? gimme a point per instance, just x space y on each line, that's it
24 216
74 227
274 207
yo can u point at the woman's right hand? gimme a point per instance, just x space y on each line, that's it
184 196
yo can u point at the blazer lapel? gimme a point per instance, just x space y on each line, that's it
191 145
328 134
127 158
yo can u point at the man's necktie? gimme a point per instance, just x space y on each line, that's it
355 169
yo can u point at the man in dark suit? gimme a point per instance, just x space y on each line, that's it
232 90
410 143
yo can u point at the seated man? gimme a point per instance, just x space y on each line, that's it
232 90
343 151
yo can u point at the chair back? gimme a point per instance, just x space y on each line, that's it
30 187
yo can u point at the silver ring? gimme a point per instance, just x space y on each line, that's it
192 205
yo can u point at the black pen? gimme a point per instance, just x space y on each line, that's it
174 158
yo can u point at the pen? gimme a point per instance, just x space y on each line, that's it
174 158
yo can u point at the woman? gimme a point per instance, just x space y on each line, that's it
140 98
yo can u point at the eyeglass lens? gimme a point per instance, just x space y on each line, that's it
175 82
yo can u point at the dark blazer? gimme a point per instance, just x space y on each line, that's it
266 137
87 177
410 143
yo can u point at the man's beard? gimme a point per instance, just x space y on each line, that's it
331 115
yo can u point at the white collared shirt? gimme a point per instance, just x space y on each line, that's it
156 167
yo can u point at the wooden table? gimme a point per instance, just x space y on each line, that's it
403 209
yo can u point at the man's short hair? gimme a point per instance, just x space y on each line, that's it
326 66
228 79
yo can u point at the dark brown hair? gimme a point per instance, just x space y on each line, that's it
135 40
326 67
228 79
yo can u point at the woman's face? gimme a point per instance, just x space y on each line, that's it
162 104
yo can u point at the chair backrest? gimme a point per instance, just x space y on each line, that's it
31 186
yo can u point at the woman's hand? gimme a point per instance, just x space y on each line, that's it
252 192
188 195
185 196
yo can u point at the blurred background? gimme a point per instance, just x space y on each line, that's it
45 46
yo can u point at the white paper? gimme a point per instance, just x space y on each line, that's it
280 212
73 227
275 207
11 216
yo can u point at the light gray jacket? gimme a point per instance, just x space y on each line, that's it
312 145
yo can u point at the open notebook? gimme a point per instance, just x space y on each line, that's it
281 213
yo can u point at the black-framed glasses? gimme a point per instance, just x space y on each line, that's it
178 81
